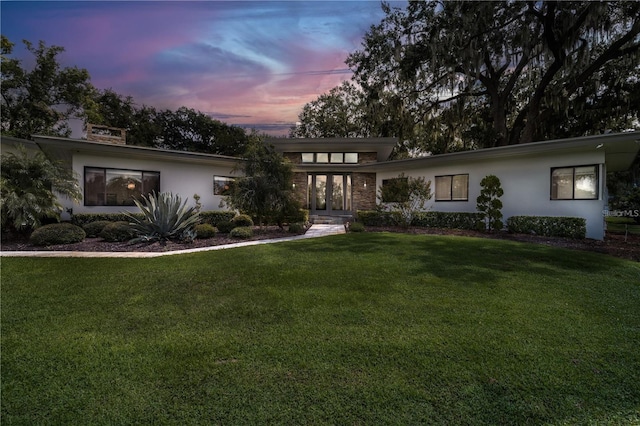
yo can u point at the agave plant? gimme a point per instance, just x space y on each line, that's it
165 217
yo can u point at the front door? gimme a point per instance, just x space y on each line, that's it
329 193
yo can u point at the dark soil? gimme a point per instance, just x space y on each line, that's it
614 244
21 243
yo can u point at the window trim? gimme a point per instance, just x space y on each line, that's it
105 169
331 157
450 199
573 181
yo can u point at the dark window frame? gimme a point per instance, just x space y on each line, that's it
450 199
105 200
573 183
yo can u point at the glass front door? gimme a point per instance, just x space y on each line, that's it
329 193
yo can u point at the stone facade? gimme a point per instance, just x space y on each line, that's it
99 133
364 191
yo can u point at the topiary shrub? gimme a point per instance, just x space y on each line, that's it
204 230
57 233
489 204
242 220
241 232
296 228
225 226
93 229
116 232
356 227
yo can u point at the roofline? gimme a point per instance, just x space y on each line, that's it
141 151
555 145
381 146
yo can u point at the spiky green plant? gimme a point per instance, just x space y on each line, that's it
165 217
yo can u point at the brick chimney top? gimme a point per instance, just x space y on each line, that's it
100 133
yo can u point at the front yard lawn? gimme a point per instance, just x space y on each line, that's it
372 328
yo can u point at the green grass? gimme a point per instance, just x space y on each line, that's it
363 329
623 224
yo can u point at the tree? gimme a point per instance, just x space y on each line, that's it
40 101
265 191
405 196
499 73
189 130
489 204
29 189
338 113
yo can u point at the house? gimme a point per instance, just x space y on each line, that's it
338 177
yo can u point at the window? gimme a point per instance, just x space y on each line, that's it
221 185
452 188
116 187
395 190
334 157
322 157
351 157
574 183
337 157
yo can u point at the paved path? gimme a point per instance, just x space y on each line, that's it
313 232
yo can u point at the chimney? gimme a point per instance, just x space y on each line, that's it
100 133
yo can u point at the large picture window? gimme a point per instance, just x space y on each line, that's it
117 187
222 185
574 183
452 188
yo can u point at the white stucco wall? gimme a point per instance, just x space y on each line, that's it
526 181
178 177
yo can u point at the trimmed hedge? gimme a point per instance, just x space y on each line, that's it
93 229
81 219
117 232
452 220
57 233
242 220
205 230
215 217
548 226
356 227
241 232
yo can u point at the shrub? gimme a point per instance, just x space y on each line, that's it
93 229
241 232
204 230
356 227
166 217
548 226
225 227
377 218
405 197
242 220
215 217
82 219
116 232
296 228
448 220
57 233
489 204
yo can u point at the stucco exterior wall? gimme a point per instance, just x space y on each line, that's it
526 181
184 179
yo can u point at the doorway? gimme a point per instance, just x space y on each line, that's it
329 194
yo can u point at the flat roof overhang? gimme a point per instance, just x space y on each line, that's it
381 146
620 150
64 148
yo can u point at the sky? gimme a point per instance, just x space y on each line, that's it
248 63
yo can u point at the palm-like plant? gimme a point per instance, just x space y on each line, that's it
165 217
30 184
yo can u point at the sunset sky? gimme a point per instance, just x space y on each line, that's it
253 64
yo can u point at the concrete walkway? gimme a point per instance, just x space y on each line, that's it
314 231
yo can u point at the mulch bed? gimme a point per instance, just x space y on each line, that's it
614 244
